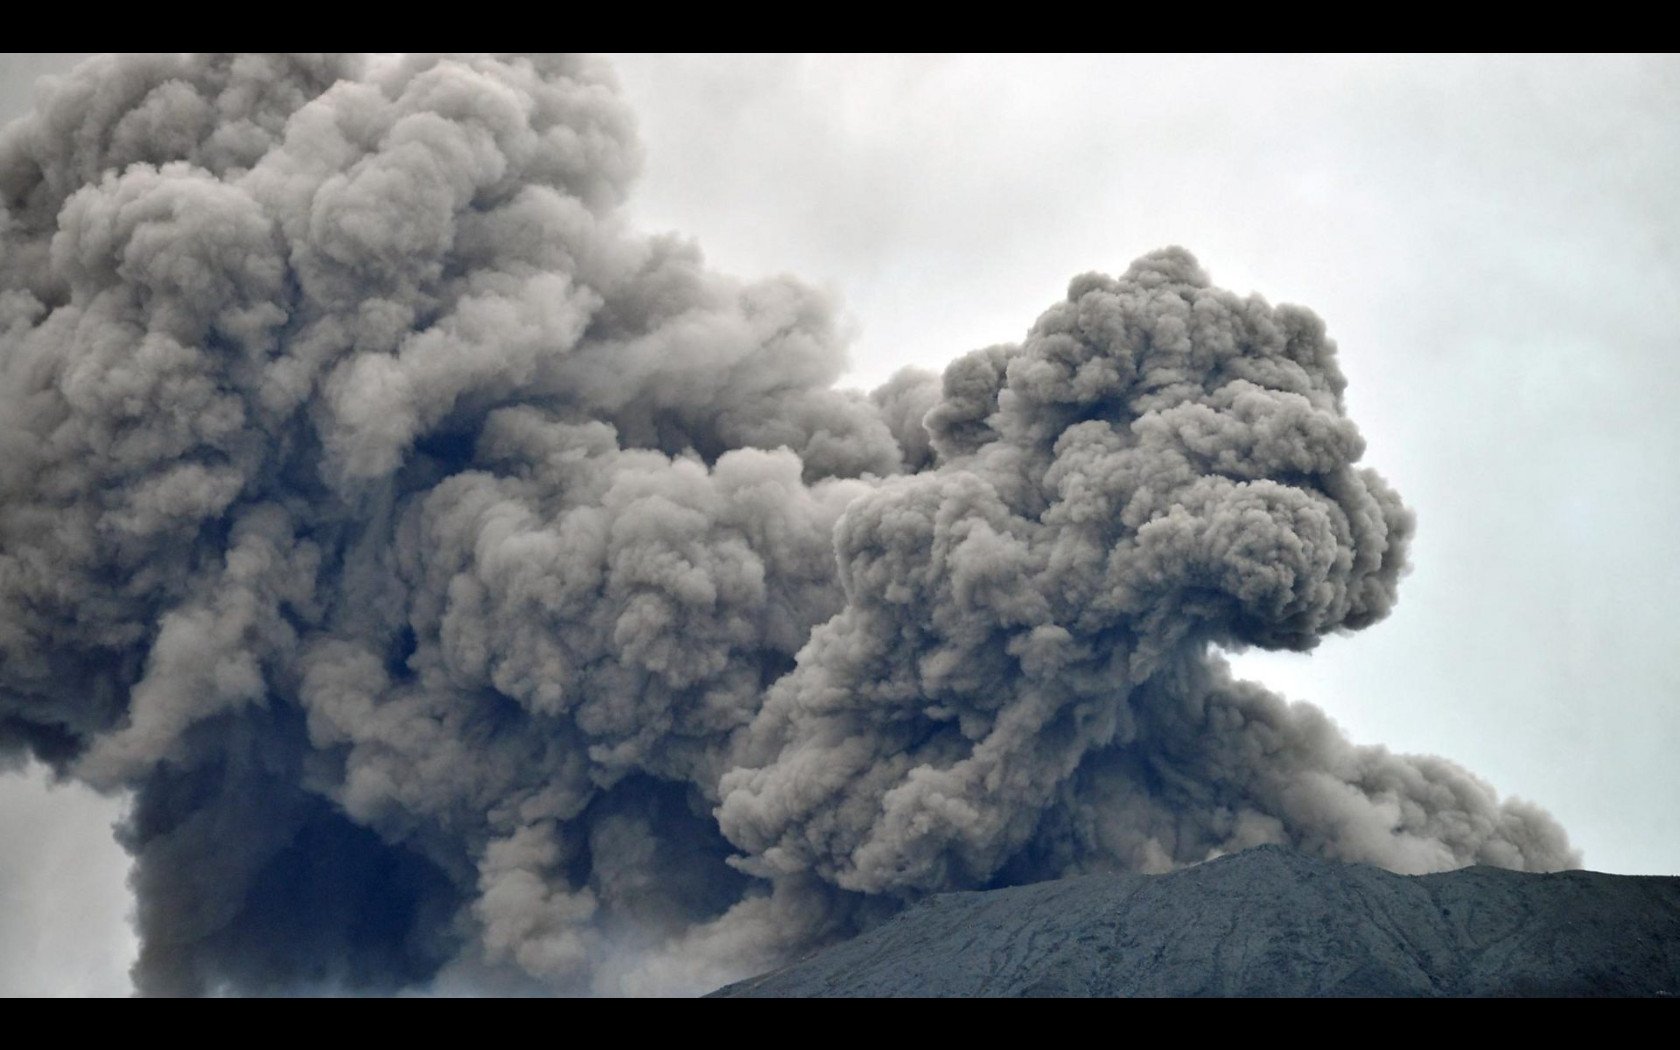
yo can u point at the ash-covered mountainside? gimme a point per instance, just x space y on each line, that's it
1268 921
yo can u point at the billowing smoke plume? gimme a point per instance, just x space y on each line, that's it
475 593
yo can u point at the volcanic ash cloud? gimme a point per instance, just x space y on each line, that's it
476 593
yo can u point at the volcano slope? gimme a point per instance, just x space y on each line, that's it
1268 921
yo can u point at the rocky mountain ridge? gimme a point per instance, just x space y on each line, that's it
1269 921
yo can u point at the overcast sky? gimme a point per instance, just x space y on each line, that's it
1494 243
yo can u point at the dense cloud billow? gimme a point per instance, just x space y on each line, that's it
475 593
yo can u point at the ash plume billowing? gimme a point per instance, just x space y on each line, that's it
474 592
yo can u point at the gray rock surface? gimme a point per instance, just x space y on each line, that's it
1266 922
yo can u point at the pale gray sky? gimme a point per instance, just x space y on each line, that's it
1495 244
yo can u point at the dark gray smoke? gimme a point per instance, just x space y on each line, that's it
475 593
